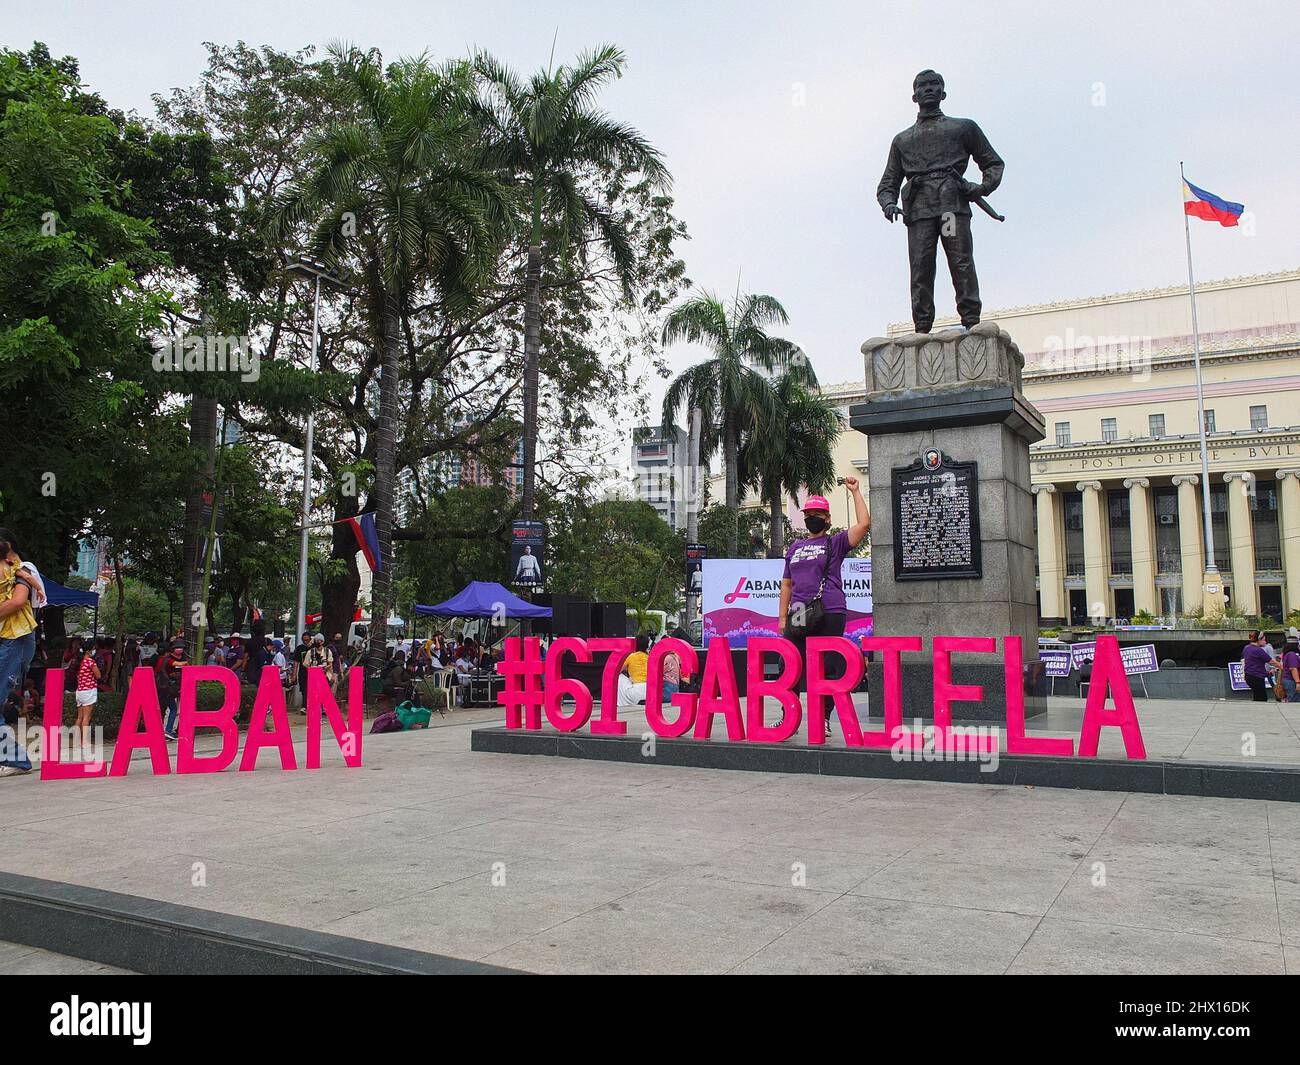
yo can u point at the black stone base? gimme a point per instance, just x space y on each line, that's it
918 692
161 938
1205 779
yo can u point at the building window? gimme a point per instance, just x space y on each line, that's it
1263 516
1209 421
1062 434
1156 422
1109 431
1121 551
1072 513
1259 417
1169 557
1219 525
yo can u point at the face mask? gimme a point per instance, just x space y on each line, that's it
816 524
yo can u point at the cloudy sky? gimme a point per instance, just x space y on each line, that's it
775 119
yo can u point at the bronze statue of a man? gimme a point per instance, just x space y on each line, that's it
933 156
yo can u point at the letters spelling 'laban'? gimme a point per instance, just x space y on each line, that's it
142 724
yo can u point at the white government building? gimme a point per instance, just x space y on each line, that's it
1117 481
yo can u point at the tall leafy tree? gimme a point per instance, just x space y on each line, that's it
74 311
792 450
731 389
548 136
394 192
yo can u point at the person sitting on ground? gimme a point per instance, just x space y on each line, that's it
397 681
631 678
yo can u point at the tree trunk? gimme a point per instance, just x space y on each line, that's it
339 594
532 360
730 450
203 443
776 527
385 472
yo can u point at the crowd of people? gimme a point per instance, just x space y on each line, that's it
410 660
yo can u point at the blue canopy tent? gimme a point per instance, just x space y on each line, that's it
58 595
485 599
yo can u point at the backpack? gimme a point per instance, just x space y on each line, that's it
386 722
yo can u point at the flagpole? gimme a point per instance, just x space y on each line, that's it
1211 569
306 474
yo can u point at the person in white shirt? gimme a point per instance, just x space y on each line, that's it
280 661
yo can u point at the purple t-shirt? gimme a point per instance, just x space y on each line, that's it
1256 658
804 563
1290 661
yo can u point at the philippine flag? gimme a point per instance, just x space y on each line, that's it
364 527
1201 204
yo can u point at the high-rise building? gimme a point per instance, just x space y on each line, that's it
660 470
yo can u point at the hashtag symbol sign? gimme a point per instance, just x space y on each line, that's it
522 695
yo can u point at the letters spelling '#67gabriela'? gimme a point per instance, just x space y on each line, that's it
535 687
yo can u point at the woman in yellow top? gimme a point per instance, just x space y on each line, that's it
17 621
631 679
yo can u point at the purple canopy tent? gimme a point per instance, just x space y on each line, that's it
485 599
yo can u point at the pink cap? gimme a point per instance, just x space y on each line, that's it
816 503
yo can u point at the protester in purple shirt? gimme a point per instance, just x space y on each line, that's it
812 576
1291 666
1256 660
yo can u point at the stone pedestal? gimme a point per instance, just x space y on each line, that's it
957 394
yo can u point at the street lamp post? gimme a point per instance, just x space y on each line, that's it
317 272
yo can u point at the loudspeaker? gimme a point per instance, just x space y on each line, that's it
543 626
578 618
609 619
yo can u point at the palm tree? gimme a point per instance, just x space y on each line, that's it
795 449
735 398
547 137
398 191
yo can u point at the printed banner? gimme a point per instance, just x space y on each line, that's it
1057 662
1081 653
742 597
695 555
1237 676
527 553
1140 659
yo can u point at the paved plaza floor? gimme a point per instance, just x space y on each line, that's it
565 865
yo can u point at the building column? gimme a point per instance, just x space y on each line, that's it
1142 545
1289 490
1051 571
1096 579
1190 549
1241 539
